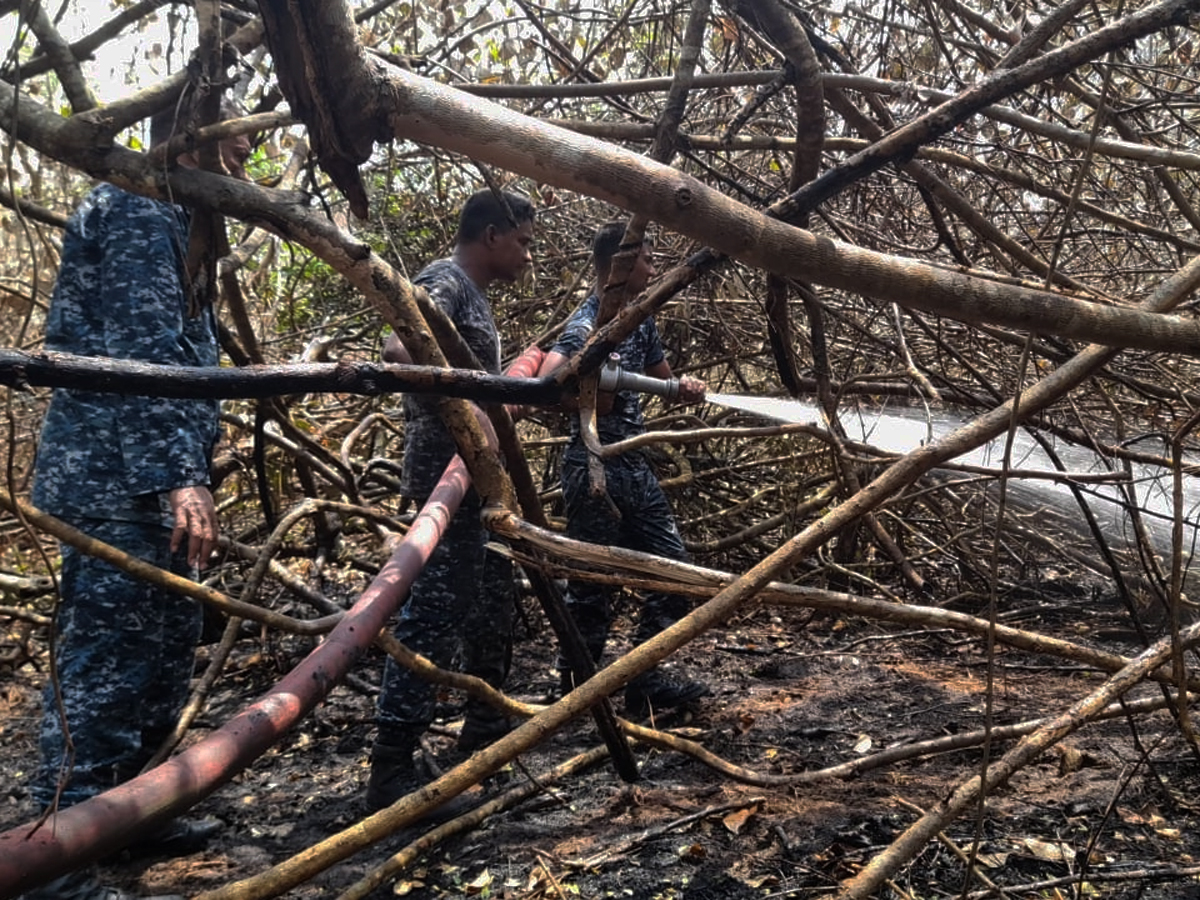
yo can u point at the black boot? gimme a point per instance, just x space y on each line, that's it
483 725
179 837
568 679
656 690
393 772
83 886
394 775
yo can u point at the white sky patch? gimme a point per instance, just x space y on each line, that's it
142 54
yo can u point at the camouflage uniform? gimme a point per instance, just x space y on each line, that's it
106 463
459 609
635 513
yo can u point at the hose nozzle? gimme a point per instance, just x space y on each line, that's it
614 378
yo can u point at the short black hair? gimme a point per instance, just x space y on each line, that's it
172 120
606 243
504 210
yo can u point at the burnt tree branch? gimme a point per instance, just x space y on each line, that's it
86 373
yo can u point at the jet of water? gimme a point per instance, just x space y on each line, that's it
902 430
795 411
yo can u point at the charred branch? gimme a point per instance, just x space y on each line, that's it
82 373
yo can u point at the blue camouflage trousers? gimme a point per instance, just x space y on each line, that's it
124 652
459 614
634 514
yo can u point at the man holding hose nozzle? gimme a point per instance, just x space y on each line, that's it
634 513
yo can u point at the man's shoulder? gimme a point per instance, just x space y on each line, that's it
441 272
110 196
451 288
649 327
578 327
109 207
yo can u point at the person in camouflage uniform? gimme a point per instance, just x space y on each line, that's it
460 607
634 513
132 472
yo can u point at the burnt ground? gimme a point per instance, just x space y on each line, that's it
791 692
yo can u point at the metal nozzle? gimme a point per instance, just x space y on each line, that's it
614 378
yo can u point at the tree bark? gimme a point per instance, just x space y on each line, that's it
86 373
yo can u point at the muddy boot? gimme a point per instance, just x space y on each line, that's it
394 774
179 837
393 771
484 725
657 690
567 679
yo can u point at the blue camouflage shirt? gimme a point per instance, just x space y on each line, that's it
428 445
122 293
639 351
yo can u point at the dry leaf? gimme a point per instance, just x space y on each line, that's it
482 882
1052 851
1148 815
737 820
765 881
1069 760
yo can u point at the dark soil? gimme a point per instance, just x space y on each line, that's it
791 693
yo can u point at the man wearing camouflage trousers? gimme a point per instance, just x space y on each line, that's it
633 512
460 606
132 472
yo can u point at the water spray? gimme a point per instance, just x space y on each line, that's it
614 378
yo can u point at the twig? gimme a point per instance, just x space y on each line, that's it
956 850
657 831
470 820
1155 873
25 615
549 875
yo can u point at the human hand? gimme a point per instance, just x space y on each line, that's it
394 351
691 390
196 517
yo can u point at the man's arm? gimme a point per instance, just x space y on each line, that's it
551 363
691 390
165 443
